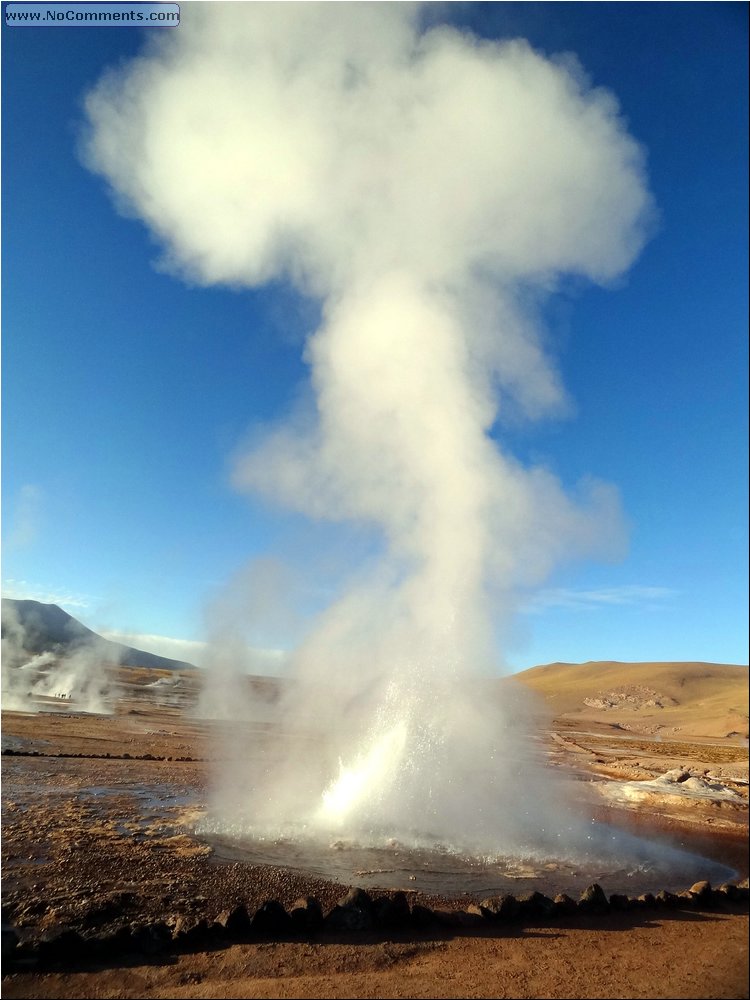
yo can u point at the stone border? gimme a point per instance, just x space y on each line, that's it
355 913
10 752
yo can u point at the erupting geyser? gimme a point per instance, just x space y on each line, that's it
428 188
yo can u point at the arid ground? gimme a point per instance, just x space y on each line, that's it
99 821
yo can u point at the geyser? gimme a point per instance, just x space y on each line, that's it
428 188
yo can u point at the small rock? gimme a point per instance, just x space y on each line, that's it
593 899
306 915
501 907
271 920
392 911
564 905
190 932
10 941
67 944
743 888
151 939
115 943
619 902
701 893
535 904
235 922
422 916
468 919
685 899
357 898
728 890
667 899
353 912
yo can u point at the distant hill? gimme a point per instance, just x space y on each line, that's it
691 699
47 628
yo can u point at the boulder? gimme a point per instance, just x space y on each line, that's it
153 938
422 916
392 911
536 904
306 915
114 943
10 941
701 893
593 899
271 920
728 891
68 944
501 907
619 902
564 906
469 919
354 912
667 899
685 899
235 922
190 932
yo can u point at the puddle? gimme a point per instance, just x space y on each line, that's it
633 865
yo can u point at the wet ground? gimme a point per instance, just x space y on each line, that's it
105 819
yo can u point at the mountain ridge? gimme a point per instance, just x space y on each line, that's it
47 628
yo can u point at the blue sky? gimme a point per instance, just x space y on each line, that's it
126 392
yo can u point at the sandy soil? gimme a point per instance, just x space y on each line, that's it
690 955
97 841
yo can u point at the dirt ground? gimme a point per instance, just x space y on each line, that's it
98 819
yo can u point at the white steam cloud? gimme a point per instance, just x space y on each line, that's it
79 676
425 186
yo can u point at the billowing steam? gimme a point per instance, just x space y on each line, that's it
79 677
429 188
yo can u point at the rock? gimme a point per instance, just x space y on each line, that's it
447 918
536 904
619 902
468 919
501 907
646 901
685 899
151 939
743 888
189 932
593 899
667 899
235 922
729 891
271 920
68 944
353 912
358 898
306 915
117 942
564 905
490 907
422 916
10 941
392 911
701 893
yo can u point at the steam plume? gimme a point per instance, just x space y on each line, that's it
79 676
425 186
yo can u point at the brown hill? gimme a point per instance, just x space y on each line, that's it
707 700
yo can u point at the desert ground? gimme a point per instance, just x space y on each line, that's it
110 890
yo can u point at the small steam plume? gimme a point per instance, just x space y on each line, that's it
78 676
429 188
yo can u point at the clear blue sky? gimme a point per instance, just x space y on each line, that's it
126 392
